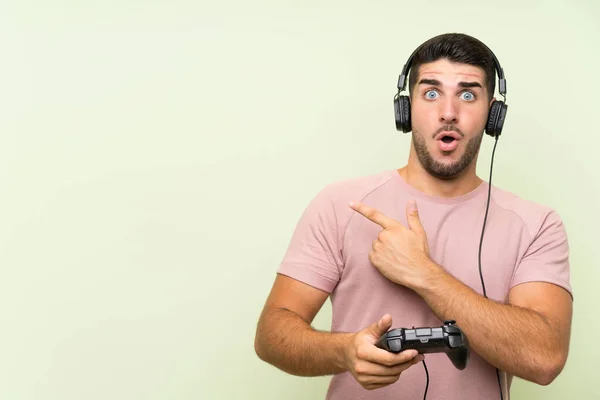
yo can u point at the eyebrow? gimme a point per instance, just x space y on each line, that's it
435 82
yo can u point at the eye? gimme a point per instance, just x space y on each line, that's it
468 96
431 94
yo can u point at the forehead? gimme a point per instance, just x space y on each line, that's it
447 71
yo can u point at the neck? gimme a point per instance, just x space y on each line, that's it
416 176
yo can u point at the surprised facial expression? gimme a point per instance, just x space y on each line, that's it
449 110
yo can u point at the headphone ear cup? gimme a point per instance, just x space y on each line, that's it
402 113
496 119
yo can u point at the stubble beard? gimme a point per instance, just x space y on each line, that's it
443 170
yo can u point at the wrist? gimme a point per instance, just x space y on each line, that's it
344 350
430 277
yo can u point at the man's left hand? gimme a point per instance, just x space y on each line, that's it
400 253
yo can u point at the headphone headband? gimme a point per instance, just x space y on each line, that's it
501 80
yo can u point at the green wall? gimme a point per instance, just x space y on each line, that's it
156 155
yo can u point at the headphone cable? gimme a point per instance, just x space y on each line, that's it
427 384
481 242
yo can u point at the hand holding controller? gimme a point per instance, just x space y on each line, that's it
447 339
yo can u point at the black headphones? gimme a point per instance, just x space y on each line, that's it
496 115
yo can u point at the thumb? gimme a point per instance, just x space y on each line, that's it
412 216
380 327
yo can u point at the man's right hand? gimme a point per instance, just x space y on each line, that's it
371 366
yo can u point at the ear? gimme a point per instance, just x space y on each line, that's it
491 102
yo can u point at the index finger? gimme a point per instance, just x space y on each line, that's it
373 215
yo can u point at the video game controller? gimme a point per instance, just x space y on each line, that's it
447 339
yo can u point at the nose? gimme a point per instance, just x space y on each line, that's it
448 111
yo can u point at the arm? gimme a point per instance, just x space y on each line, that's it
284 336
528 337
285 339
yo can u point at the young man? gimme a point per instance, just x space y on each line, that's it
403 248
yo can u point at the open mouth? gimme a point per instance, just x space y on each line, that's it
448 142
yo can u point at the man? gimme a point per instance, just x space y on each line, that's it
402 248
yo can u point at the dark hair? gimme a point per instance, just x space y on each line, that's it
459 48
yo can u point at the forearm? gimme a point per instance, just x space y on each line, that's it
517 340
286 341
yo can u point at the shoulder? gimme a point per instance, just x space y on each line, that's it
332 202
544 256
534 216
357 188
338 195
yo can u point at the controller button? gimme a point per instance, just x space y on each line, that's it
452 330
449 322
423 332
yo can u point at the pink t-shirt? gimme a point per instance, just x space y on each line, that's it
329 250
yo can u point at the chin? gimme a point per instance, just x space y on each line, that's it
445 167
446 172
447 158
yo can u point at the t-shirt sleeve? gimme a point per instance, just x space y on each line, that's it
313 255
547 257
